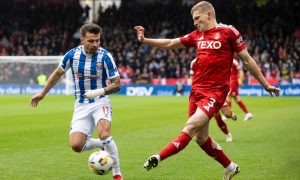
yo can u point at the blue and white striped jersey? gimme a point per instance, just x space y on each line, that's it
89 71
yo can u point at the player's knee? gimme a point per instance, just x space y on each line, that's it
77 147
200 139
191 128
104 135
104 129
228 114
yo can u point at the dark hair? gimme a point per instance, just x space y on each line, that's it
91 28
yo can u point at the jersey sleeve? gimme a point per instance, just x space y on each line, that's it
65 62
110 66
236 39
188 40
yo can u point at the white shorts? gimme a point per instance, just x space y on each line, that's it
87 115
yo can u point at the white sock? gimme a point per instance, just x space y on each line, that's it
230 167
157 156
92 143
111 147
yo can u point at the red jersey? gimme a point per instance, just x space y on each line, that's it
215 49
234 75
192 68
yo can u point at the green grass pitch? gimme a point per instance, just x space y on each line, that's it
34 142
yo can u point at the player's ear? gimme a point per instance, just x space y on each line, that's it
81 40
209 15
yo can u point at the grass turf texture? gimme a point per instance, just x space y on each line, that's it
34 142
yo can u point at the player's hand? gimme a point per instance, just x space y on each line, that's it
36 99
140 32
91 94
272 90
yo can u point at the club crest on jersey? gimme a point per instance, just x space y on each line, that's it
99 65
217 36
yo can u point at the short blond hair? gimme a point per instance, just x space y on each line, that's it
203 6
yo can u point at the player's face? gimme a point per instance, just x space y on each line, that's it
91 42
201 20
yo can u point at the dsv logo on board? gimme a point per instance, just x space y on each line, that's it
139 91
209 44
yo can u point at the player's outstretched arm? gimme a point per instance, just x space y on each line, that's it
161 43
53 79
114 86
251 65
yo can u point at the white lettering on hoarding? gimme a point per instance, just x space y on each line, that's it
139 91
251 92
292 92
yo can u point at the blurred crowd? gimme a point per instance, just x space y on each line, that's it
271 31
35 30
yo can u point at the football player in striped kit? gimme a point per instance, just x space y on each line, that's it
92 67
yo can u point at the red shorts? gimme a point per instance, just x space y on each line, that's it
209 102
234 88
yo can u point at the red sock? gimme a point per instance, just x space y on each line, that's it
175 146
215 152
243 107
221 123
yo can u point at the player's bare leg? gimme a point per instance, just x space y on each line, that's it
248 115
228 113
197 120
81 142
222 125
214 150
109 146
77 141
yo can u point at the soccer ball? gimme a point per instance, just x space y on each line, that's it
100 162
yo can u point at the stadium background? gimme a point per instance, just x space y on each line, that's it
270 29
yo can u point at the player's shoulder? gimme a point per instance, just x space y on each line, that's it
75 49
228 28
194 33
102 51
78 48
72 51
224 26
105 54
